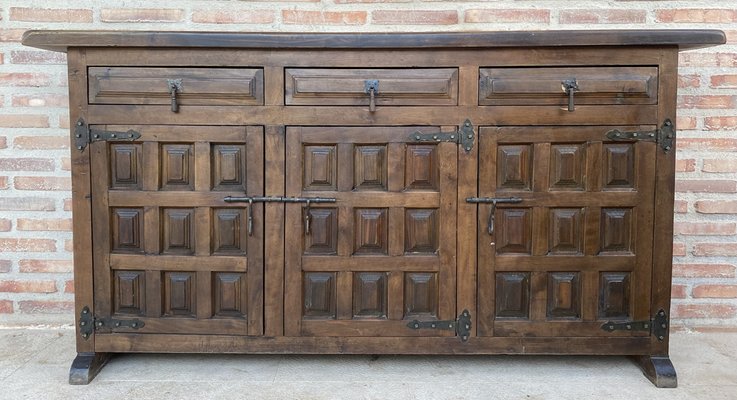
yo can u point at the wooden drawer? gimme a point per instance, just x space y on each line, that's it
545 85
347 87
197 86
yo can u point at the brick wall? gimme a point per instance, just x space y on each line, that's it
35 237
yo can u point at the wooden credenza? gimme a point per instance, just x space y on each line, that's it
456 193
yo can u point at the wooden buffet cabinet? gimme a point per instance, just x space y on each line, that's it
454 193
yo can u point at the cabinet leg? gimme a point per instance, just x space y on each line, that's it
659 370
86 366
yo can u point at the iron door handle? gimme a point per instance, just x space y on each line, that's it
570 86
493 201
175 86
371 87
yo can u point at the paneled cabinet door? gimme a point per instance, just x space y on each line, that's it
576 251
169 252
384 253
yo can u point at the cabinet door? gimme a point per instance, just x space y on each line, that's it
384 253
577 250
168 251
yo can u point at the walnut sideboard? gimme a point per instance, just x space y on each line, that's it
449 193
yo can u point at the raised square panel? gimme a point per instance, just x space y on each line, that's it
616 230
125 166
421 230
177 230
420 294
513 227
371 231
567 166
564 295
323 237
566 231
369 168
422 171
614 295
177 167
179 294
127 230
319 295
320 168
514 167
619 166
230 295
369 295
229 167
129 293
512 295
229 231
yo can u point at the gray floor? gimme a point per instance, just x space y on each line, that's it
34 364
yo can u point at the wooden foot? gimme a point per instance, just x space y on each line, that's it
659 370
86 366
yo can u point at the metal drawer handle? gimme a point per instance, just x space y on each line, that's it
174 85
371 87
570 86
278 199
492 210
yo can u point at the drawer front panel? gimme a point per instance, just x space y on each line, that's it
196 86
396 87
544 86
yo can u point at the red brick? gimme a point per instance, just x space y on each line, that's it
705 186
5 225
707 101
42 183
706 144
680 206
66 164
414 17
6 307
689 81
731 35
508 15
679 249
27 245
4 183
41 100
716 207
46 307
5 266
3 142
687 165
724 81
46 266
11 35
69 286
693 228
703 270
678 291
715 249
233 17
26 204
369 1
28 286
720 123
64 121
51 224
41 142
696 15
707 59
602 16
708 310
141 15
26 164
25 79
685 123
68 204
715 291
713 329
24 121
69 245
719 165
323 17
37 57
50 15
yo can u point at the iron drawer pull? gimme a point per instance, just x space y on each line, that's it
570 86
371 87
492 210
174 85
278 199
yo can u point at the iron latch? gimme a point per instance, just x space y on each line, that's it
83 135
657 326
492 209
461 326
465 136
279 199
89 323
664 136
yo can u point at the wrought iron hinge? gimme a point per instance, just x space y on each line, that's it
657 326
664 136
83 135
465 136
88 323
461 326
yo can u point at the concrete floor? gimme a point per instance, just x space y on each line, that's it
34 364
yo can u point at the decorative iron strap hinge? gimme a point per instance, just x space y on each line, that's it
89 323
465 136
664 136
461 326
83 135
657 326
